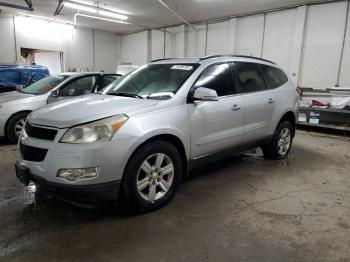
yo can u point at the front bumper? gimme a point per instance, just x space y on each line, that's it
84 194
110 157
79 194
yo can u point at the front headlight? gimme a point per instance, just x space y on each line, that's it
97 131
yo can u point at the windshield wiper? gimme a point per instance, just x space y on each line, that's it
126 94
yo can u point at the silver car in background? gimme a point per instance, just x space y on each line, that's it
138 140
16 105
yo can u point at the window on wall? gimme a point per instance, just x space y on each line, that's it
273 76
249 77
219 78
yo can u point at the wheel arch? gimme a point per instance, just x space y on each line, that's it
291 118
7 121
172 139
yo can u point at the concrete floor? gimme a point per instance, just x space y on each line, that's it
242 209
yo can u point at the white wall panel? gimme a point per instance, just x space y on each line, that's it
175 42
218 38
278 40
39 34
344 79
76 44
134 48
105 51
323 41
196 42
297 46
7 45
157 44
79 50
249 35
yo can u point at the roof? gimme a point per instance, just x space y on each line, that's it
23 66
86 73
218 58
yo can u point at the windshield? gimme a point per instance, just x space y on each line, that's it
153 81
44 85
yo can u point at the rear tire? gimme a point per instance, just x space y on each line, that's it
15 126
151 177
281 142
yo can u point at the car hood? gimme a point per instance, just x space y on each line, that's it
10 96
86 109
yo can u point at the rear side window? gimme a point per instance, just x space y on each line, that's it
249 78
274 77
217 77
106 80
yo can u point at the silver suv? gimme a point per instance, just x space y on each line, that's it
139 139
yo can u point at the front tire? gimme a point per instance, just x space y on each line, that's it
281 142
15 126
151 177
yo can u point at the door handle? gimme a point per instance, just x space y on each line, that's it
271 101
235 108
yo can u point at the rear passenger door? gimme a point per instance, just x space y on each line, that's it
216 125
259 103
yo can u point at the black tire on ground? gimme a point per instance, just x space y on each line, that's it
130 197
11 126
272 150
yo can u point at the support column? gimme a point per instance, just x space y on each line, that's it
232 36
297 53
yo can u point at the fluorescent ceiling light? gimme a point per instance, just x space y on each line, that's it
100 18
95 10
112 14
80 7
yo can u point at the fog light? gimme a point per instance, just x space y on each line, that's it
75 174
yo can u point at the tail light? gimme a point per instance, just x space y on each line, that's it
299 91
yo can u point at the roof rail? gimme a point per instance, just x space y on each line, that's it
162 59
241 56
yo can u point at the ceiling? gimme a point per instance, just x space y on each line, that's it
150 13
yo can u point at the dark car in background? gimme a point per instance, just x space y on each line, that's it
13 77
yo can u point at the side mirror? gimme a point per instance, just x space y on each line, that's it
205 94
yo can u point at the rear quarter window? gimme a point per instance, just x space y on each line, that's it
273 76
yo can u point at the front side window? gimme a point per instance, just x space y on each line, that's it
219 78
249 77
152 81
44 85
80 86
274 77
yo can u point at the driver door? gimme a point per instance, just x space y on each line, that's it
77 87
216 126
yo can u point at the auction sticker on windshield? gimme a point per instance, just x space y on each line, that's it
182 67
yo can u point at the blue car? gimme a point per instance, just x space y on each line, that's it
14 76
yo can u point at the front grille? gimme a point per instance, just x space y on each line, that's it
40 132
30 153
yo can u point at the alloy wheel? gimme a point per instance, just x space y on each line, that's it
155 177
19 126
284 141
